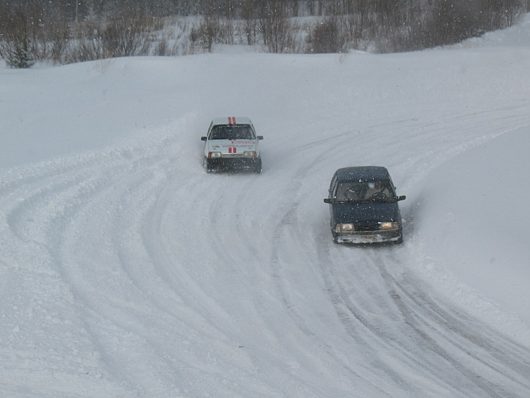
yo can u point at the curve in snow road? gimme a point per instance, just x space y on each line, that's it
158 279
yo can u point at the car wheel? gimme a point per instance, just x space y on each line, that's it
257 166
209 166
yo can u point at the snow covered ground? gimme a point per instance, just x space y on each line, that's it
127 271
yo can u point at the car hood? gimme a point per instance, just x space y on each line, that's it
360 212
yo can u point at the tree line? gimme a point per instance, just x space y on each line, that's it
64 31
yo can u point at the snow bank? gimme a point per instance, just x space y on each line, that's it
472 231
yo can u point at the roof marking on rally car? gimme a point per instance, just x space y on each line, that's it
231 120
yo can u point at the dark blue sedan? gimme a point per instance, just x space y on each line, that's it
364 206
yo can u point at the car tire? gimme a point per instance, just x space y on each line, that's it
209 167
257 166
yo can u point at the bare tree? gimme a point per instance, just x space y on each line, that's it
275 26
325 37
73 30
125 33
249 16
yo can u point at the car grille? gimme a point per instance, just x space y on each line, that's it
367 226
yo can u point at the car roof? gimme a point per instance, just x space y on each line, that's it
362 173
225 120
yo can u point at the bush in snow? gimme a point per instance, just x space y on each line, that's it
15 44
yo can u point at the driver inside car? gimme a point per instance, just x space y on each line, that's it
377 190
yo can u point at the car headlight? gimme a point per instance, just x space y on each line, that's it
344 228
214 155
388 225
250 154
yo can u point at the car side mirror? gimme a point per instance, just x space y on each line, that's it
327 200
402 197
260 137
203 138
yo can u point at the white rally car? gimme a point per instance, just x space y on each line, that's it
232 144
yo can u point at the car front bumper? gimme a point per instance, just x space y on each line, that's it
232 163
368 237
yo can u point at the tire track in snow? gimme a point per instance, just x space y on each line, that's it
288 220
90 278
511 381
289 217
155 369
360 326
84 194
438 349
480 343
46 206
148 260
133 285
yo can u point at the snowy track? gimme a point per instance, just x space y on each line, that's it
131 272
124 237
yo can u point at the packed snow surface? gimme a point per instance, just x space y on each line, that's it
128 271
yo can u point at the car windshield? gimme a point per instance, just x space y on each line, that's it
235 132
365 191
